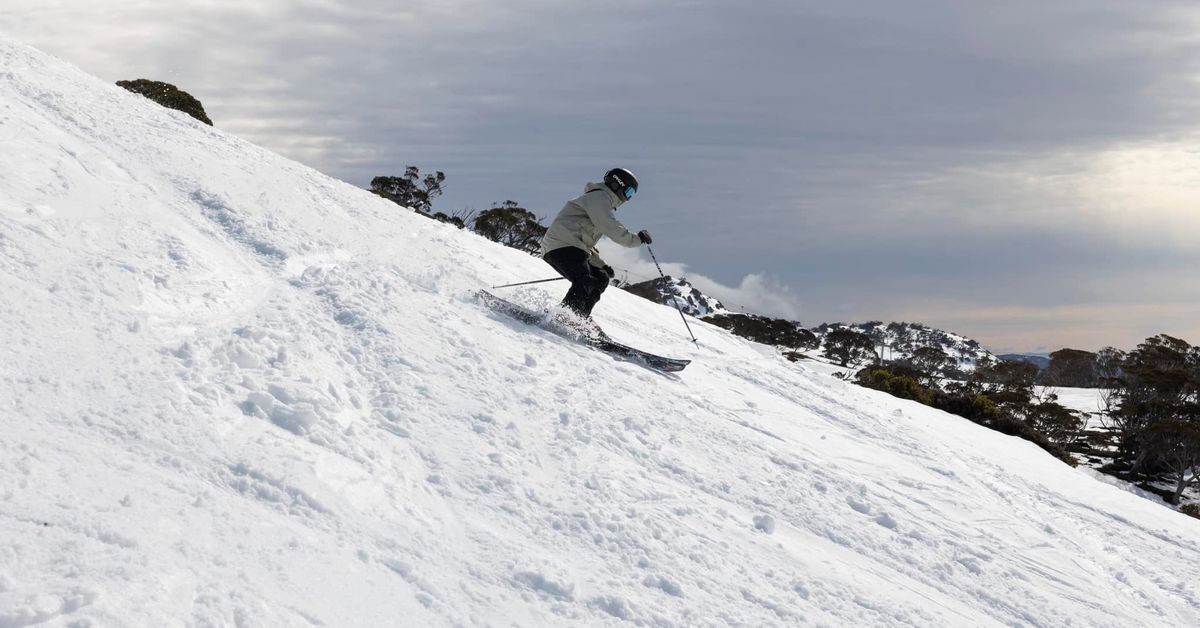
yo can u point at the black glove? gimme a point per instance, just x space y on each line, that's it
644 236
608 270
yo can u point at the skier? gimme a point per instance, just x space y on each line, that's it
569 245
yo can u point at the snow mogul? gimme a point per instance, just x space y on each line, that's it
569 245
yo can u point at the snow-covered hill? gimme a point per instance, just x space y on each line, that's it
234 391
680 294
1042 361
898 341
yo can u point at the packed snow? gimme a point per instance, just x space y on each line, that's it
1087 401
234 391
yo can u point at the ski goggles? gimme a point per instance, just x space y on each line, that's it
629 192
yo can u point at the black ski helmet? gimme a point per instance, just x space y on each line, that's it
621 182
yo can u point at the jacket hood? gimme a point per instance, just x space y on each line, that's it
592 187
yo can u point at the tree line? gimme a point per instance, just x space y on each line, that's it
1151 398
1000 395
507 222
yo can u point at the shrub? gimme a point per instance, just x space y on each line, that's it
1057 422
768 331
450 220
977 408
1007 424
1191 510
896 385
962 401
168 96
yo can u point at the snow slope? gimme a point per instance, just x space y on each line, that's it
234 391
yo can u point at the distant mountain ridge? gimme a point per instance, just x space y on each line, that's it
895 341
1040 360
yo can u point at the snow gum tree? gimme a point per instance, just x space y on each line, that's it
1071 367
770 331
511 225
932 362
1174 445
1155 411
410 189
849 348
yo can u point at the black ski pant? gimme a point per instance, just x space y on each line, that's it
587 282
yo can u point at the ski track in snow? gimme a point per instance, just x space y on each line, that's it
237 392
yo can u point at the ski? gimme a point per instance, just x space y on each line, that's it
601 342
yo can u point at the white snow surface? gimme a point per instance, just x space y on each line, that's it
234 391
1089 401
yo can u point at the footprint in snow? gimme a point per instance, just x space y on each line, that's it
666 586
543 585
615 606
857 505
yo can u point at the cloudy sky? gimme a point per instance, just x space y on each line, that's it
1026 172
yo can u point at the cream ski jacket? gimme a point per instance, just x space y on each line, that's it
584 219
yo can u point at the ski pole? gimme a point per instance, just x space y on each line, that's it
526 283
681 316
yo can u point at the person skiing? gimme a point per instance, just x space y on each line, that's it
569 245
